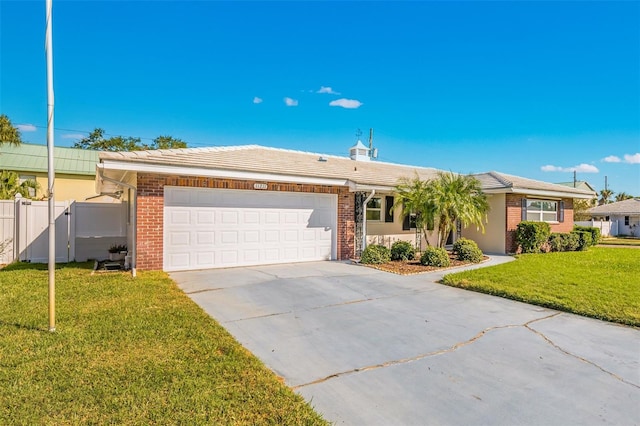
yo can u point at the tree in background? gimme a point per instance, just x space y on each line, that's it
621 196
97 141
8 132
605 196
10 186
167 142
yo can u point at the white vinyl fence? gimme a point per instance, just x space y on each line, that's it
607 228
83 230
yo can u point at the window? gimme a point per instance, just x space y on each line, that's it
626 221
374 209
542 210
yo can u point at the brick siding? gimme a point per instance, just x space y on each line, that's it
514 216
150 213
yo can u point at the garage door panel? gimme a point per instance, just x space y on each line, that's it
205 217
180 238
251 236
208 228
206 238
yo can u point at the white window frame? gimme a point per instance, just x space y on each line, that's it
377 209
535 214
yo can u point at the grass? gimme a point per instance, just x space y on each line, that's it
621 241
601 283
126 351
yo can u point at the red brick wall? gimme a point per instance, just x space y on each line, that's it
150 213
514 215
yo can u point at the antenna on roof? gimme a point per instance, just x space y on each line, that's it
358 134
373 152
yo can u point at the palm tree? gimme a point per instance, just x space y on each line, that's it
623 196
457 198
412 197
10 186
605 196
445 200
8 133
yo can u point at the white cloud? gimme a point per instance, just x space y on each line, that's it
550 168
346 103
290 102
611 159
581 168
632 159
257 100
329 90
73 136
26 127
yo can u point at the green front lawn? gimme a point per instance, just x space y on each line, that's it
126 351
601 283
621 241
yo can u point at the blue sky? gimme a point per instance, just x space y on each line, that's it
534 89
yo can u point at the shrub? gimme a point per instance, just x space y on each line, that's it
467 250
564 242
530 236
375 254
584 239
595 232
117 248
435 256
402 250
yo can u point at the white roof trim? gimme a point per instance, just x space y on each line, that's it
218 173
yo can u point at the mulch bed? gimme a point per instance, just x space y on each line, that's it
412 267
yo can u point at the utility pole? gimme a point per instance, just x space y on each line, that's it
574 179
51 171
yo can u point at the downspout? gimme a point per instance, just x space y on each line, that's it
364 219
134 219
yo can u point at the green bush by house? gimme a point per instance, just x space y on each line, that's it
596 235
402 250
375 254
435 256
531 236
467 250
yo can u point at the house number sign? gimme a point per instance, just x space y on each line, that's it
259 186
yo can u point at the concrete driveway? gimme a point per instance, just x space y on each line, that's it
369 347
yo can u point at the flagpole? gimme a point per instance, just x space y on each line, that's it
51 172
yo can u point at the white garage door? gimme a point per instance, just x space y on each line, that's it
216 228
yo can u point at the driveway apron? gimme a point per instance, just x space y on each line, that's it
369 347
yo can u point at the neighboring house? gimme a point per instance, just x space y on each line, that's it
580 184
626 213
245 205
75 169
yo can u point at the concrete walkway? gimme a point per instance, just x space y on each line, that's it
366 347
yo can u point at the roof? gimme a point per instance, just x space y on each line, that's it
581 184
626 208
34 158
498 182
259 159
282 162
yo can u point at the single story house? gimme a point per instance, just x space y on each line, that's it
626 213
75 170
198 208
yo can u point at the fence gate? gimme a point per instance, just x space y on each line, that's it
33 231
